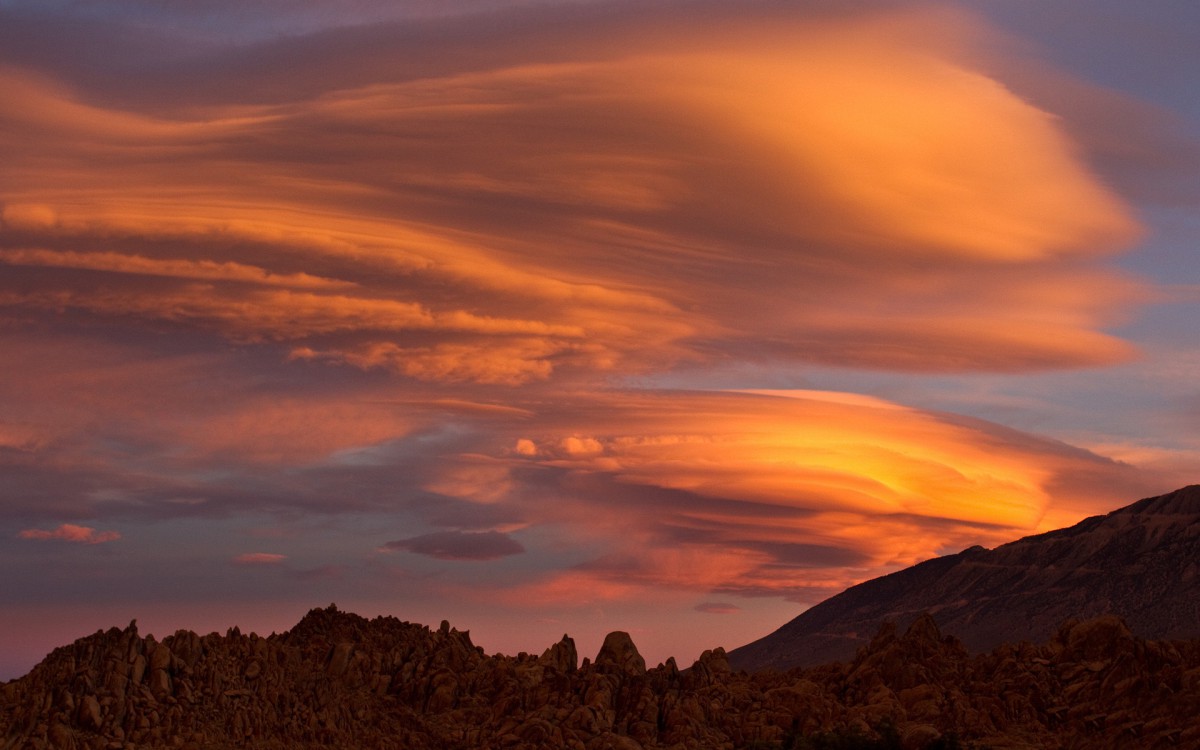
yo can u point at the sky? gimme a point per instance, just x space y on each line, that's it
539 317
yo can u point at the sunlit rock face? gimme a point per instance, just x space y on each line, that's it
1138 562
338 680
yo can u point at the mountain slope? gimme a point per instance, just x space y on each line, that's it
1139 562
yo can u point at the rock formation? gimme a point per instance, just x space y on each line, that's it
337 680
1139 562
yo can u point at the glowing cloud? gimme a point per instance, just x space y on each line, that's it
184 269
783 493
447 278
851 190
911 144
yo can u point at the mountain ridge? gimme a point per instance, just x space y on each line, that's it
1138 562
337 680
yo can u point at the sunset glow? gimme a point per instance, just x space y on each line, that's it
568 316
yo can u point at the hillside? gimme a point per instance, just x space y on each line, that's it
1139 563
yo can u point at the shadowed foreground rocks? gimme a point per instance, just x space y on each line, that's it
338 680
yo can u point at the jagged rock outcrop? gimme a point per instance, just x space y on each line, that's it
618 654
1141 563
337 680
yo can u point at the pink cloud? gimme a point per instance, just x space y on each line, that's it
259 558
69 532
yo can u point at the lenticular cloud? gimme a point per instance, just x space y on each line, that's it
851 190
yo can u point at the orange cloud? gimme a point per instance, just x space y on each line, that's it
780 493
69 532
183 269
422 285
854 191
510 362
854 453
28 216
911 144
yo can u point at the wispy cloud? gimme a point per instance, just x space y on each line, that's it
133 264
460 545
259 558
724 203
69 532
787 494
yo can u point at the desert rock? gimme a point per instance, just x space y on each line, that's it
337 680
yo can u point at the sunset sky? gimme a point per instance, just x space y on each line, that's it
543 317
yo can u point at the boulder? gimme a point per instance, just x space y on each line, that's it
618 654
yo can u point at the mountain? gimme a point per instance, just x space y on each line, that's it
1139 562
337 680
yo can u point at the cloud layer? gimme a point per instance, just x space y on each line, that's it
819 191
407 296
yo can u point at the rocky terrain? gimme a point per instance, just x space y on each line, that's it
337 680
1141 562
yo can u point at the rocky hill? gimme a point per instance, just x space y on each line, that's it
337 680
1139 562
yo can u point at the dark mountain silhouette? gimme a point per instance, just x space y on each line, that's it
1141 562
337 680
